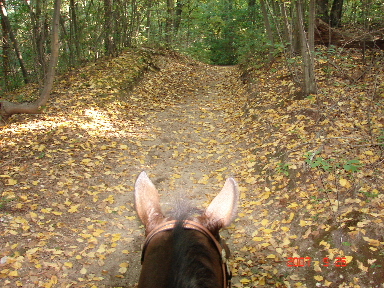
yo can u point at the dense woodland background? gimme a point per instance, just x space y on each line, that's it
222 32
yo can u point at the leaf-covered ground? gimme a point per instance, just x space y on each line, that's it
310 173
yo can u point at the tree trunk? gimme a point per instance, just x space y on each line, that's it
7 24
5 46
336 13
252 11
178 12
169 22
308 85
108 40
38 39
148 29
322 7
74 31
7 109
268 29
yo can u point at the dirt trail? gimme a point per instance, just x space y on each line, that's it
194 142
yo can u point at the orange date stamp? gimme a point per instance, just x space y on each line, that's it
325 262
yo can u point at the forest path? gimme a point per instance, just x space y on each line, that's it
74 169
192 144
196 136
310 186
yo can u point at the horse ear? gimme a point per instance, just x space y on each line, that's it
223 208
147 202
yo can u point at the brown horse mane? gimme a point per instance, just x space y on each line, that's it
191 258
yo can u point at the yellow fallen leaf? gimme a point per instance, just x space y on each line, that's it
372 242
123 270
293 205
264 222
13 274
83 271
68 264
12 182
318 278
257 239
361 266
291 215
73 208
344 182
116 237
250 180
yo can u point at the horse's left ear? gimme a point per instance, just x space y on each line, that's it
147 202
223 208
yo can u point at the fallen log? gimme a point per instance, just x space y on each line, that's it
326 35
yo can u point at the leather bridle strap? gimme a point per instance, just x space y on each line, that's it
187 224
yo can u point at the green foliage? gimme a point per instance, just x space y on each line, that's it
317 162
380 138
283 168
4 201
352 165
223 32
369 195
329 165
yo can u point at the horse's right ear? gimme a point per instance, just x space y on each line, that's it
223 208
147 202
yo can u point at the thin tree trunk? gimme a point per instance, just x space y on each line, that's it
252 11
288 30
178 12
74 30
149 16
108 39
5 46
336 13
308 85
38 39
169 22
322 10
7 109
4 16
268 29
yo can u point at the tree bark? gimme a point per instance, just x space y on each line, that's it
178 12
38 39
169 21
336 13
7 24
5 46
74 30
7 109
268 29
252 11
309 84
322 7
108 39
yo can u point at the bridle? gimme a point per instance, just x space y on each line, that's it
191 225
